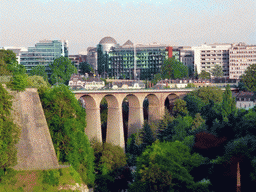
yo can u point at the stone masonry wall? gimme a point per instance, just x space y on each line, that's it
35 147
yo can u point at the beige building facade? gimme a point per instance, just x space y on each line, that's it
240 57
207 56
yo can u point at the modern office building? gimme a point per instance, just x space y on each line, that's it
207 56
44 53
130 61
240 57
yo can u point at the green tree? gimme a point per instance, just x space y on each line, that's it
179 108
173 69
61 70
194 104
173 160
249 78
157 77
204 75
108 160
208 93
217 71
37 82
191 85
3 68
85 68
197 122
66 120
228 103
7 56
39 70
9 132
18 82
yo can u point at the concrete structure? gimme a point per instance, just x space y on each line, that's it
35 148
240 57
44 53
115 133
207 56
115 98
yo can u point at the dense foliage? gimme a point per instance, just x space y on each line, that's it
85 68
173 69
66 120
217 71
110 169
9 132
204 75
39 70
213 130
249 78
61 70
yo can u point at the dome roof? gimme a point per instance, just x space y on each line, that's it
128 43
108 40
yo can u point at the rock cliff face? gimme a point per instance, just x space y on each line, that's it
35 148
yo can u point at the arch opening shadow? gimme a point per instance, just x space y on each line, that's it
169 102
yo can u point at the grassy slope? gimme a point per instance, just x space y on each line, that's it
33 181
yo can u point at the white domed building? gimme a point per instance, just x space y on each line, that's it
107 43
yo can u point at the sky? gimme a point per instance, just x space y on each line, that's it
85 22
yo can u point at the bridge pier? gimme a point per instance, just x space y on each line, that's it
93 128
135 120
115 131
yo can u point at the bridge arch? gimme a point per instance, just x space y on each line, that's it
169 101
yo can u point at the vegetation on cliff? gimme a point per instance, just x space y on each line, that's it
66 120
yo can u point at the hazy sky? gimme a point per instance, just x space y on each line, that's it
85 22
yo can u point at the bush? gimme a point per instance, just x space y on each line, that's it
51 177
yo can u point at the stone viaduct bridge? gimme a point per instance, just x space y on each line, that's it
115 98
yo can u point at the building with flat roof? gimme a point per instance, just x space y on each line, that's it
240 57
44 53
207 56
131 61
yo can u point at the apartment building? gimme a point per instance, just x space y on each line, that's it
240 57
207 56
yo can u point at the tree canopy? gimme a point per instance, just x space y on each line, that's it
217 71
173 69
249 78
85 68
9 132
61 70
165 166
204 75
39 70
66 120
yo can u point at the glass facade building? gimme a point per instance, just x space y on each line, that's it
148 62
44 53
118 62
